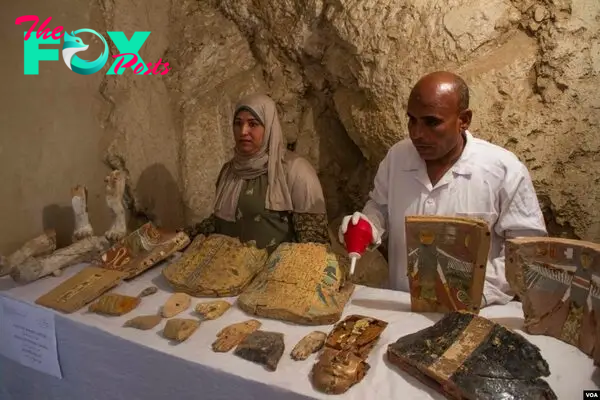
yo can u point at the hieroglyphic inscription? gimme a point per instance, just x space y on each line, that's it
79 288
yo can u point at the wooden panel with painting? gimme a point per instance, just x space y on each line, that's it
446 262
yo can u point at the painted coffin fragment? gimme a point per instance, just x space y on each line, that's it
302 283
343 361
558 281
143 249
465 356
215 266
447 259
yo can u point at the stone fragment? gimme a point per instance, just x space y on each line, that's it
262 347
232 335
180 329
309 344
177 303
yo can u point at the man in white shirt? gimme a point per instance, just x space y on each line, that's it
443 170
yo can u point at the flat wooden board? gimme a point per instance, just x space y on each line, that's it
446 262
81 289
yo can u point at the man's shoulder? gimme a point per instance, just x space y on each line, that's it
490 155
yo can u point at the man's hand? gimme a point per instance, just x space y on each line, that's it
375 239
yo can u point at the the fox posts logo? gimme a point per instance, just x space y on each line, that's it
128 56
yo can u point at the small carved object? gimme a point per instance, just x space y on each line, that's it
143 249
41 245
179 329
215 266
465 356
115 190
308 345
81 289
558 281
143 322
86 250
177 303
83 228
212 309
119 304
262 347
232 335
342 363
302 283
447 259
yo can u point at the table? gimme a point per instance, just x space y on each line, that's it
102 360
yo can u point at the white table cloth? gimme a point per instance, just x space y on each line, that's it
102 360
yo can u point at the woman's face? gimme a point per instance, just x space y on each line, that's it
248 133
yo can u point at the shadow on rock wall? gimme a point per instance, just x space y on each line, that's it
62 220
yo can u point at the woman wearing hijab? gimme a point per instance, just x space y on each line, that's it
265 193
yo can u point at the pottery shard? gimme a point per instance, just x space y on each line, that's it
558 281
143 322
309 344
302 283
176 304
261 347
232 335
212 309
465 356
118 304
342 363
179 329
215 266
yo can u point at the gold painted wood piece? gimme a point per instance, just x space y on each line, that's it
302 283
558 281
465 356
215 266
308 345
446 262
180 329
143 249
342 362
212 309
81 289
118 304
232 335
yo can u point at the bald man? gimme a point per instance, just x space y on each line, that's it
442 169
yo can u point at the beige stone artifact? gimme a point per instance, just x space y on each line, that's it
143 322
115 190
119 304
212 309
302 283
177 303
83 228
179 329
41 245
215 266
88 249
81 289
143 249
308 345
232 335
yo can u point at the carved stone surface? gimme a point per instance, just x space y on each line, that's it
179 329
119 304
342 363
447 259
143 322
143 249
212 309
262 347
175 304
215 266
465 356
232 335
81 289
302 283
309 344
558 281
41 245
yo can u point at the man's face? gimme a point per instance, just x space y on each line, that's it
434 121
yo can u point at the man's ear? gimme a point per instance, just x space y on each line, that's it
464 119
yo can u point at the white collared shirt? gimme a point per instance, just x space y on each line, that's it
487 182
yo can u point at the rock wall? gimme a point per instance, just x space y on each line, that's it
341 72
